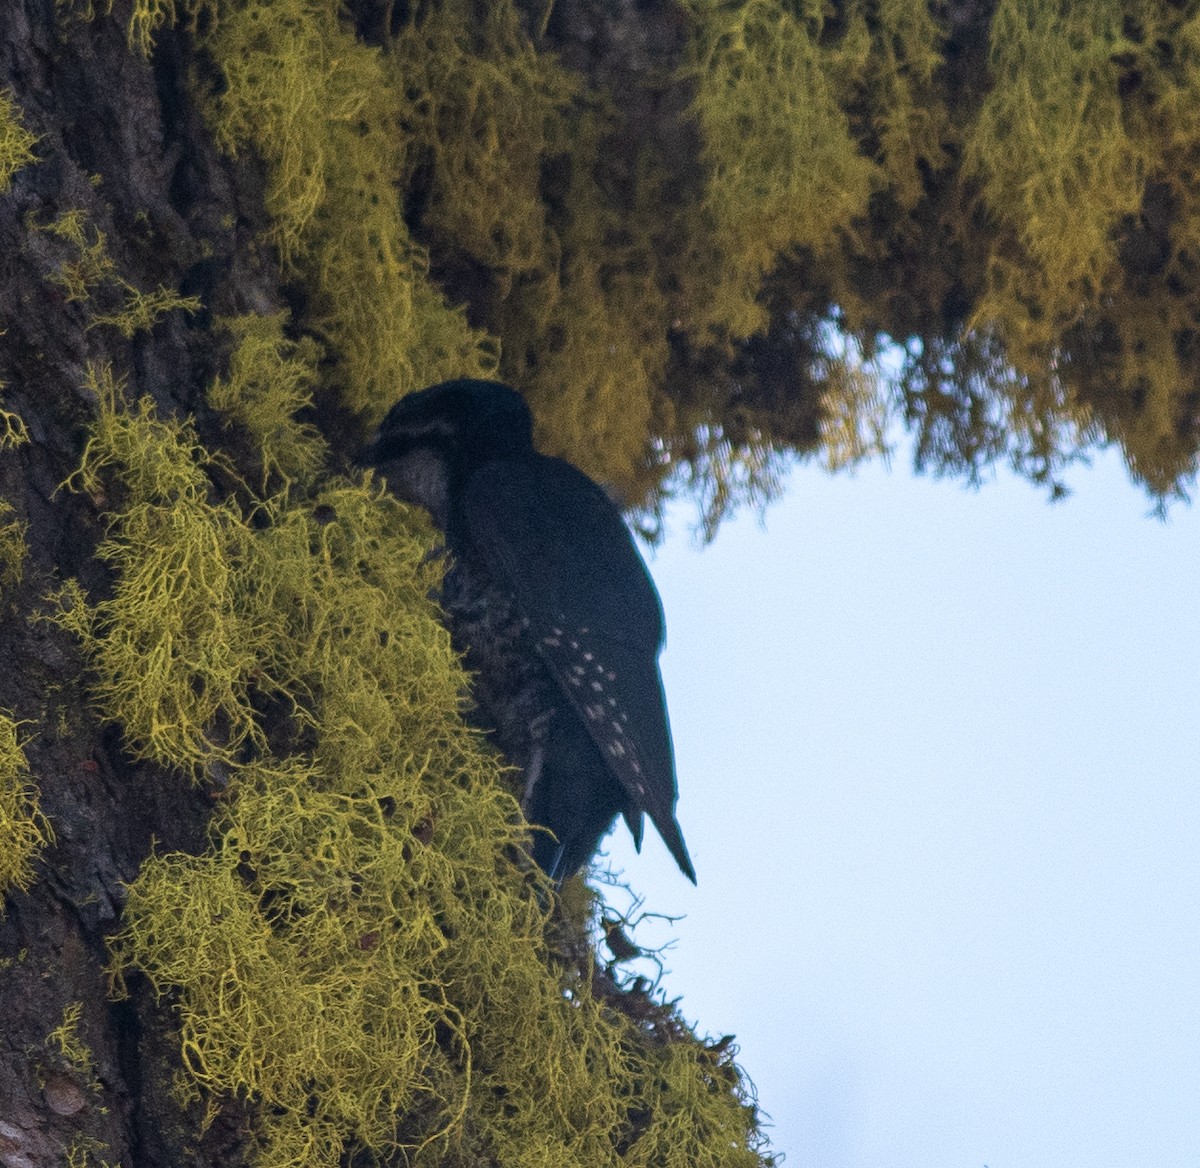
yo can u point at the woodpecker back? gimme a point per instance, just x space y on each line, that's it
555 612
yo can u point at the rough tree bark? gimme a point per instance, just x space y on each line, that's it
121 141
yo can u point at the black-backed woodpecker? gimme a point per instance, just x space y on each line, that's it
556 615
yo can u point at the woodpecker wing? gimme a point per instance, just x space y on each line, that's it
553 538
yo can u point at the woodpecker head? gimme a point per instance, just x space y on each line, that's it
430 441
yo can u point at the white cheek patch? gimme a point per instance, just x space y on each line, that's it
420 477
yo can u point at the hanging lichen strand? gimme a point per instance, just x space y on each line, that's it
784 169
1008 193
323 111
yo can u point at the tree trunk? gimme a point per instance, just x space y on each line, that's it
129 193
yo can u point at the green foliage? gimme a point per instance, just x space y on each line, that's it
24 830
16 142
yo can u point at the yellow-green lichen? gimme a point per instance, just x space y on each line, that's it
698 1116
173 656
1056 161
483 111
84 1153
13 548
65 1036
323 110
590 384
145 19
333 953
786 170
92 267
270 380
16 142
855 413
143 310
24 830
587 257
909 109
520 163
13 431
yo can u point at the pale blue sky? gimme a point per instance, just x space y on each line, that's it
938 760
